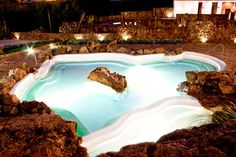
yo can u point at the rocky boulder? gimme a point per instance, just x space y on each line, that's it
215 91
83 50
34 130
112 46
28 68
93 46
122 50
60 51
19 74
148 51
160 50
113 80
178 51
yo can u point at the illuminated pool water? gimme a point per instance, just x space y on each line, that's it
94 106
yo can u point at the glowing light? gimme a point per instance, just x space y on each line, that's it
135 23
17 36
52 46
169 13
78 36
101 37
30 51
116 23
203 39
235 40
126 36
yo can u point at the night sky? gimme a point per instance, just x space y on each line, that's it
106 7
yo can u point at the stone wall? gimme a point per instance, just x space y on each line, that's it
61 36
189 28
149 32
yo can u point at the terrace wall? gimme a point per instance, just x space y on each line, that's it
59 36
189 28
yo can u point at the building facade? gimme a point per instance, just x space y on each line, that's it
204 6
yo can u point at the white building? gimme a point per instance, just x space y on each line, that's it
204 6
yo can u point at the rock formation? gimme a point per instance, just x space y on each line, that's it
32 129
211 140
215 91
93 46
83 50
112 46
122 50
104 76
160 50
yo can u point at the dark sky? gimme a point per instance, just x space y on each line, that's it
105 7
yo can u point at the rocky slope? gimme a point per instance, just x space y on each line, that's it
32 129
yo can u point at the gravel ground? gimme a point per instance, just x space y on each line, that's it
14 60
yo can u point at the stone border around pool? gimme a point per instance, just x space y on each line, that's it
93 140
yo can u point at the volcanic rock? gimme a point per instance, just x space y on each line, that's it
19 74
139 51
160 50
122 50
191 76
112 46
227 87
36 131
10 100
83 50
215 91
60 50
132 52
93 46
178 51
113 80
148 51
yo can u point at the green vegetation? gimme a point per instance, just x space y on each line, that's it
129 41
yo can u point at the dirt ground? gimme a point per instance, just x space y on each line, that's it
225 52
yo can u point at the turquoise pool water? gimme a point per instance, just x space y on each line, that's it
92 105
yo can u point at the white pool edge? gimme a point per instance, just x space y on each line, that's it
22 85
94 140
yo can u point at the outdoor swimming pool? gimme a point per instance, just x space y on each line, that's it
149 108
68 92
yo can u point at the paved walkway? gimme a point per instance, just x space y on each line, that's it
14 42
14 60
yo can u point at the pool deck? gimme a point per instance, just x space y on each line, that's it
14 60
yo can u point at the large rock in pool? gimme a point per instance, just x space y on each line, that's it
113 80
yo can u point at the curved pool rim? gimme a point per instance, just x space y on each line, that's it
97 141
21 86
93 140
